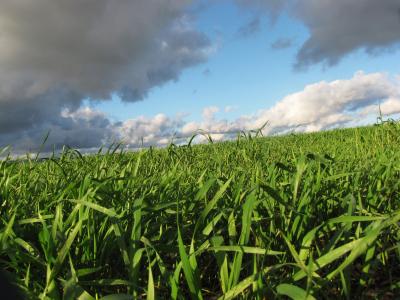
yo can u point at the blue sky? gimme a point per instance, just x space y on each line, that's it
150 70
244 72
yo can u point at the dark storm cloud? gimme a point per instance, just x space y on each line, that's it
53 54
20 112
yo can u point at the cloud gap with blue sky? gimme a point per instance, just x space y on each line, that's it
147 72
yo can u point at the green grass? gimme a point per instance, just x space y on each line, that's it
307 216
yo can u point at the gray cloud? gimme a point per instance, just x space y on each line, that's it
271 7
338 27
54 54
250 28
83 129
282 43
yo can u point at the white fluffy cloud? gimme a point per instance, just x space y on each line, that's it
389 107
318 106
142 131
325 104
209 112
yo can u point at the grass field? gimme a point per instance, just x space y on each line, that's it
293 217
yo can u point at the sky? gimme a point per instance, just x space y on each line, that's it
146 73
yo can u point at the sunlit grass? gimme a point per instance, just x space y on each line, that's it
301 216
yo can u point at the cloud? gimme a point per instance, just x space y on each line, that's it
318 106
340 27
158 130
389 107
250 28
337 27
54 54
324 104
230 108
271 7
281 43
83 128
209 112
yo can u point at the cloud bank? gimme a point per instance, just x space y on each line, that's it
54 54
319 106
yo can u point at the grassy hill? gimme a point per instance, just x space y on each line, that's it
301 216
